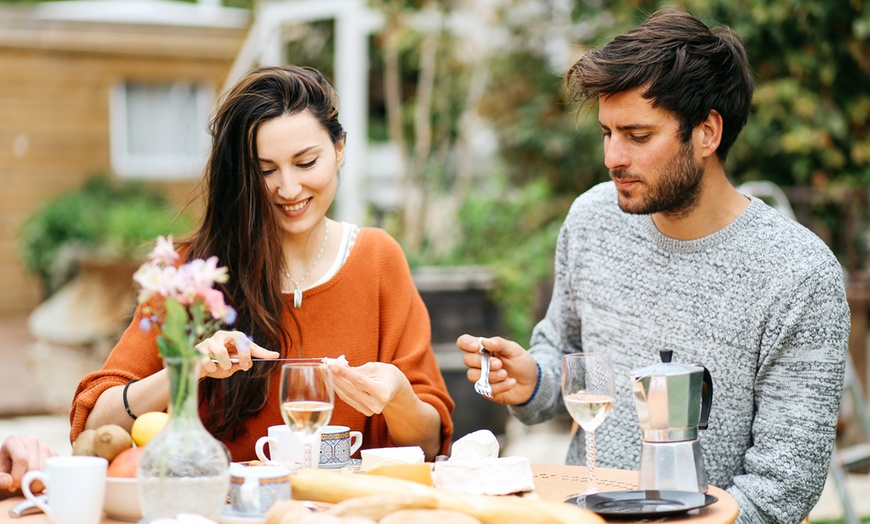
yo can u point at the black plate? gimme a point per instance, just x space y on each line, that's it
649 503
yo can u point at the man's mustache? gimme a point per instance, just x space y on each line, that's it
623 176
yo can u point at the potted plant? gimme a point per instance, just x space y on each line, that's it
85 246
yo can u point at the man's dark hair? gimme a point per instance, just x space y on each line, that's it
683 66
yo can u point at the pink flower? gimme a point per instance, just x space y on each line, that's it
164 253
152 280
214 302
206 272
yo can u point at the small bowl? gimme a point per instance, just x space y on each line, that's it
122 499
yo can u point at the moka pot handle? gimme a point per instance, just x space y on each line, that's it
706 398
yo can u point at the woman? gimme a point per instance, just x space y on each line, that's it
303 285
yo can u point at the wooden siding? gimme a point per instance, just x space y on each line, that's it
54 117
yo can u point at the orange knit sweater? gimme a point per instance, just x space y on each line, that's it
369 311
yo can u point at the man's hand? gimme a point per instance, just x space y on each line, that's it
513 373
18 455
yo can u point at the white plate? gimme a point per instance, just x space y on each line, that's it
228 516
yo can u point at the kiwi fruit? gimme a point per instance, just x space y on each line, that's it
110 440
84 443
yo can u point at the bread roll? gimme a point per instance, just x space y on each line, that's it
376 507
428 516
287 512
324 518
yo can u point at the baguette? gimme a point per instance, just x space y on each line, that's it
334 487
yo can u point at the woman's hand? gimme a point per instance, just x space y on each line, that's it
224 345
369 388
378 387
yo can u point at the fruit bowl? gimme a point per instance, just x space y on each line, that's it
122 499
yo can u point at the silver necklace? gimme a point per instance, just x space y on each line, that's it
297 293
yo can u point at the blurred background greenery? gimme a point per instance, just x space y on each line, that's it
102 220
808 131
491 154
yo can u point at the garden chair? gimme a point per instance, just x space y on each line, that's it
855 455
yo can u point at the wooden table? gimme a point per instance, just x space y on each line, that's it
552 482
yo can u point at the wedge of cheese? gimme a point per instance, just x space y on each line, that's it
377 457
485 476
476 445
340 361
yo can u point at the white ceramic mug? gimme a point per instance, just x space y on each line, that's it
284 448
337 444
253 489
75 487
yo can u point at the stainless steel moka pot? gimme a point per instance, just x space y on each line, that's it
673 403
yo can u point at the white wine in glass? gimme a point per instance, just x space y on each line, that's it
307 399
588 390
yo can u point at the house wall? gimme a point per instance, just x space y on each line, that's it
54 114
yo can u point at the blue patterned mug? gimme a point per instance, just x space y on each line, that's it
253 489
337 444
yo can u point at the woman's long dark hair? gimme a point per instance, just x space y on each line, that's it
239 227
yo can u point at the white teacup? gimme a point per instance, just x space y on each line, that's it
253 489
75 487
337 444
284 448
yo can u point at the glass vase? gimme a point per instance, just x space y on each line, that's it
183 469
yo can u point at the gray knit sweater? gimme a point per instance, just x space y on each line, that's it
760 303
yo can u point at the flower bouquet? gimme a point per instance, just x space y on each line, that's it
192 309
184 469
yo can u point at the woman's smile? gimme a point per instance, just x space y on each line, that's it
296 209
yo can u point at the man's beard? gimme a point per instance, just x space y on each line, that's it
674 189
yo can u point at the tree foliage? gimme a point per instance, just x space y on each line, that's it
810 110
808 126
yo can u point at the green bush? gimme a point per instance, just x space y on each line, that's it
101 219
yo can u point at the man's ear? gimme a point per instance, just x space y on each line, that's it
710 131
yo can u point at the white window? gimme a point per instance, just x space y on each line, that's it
159 130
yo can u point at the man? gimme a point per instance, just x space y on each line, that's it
669 255
18 455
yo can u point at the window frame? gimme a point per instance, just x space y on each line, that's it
129 165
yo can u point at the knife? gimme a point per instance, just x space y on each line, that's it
235 360
26 507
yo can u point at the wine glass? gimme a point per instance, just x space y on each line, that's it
307 399
587 389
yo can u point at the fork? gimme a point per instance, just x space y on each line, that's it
482 386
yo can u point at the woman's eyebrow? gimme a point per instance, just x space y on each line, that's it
298 153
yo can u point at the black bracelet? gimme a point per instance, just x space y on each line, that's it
124 396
